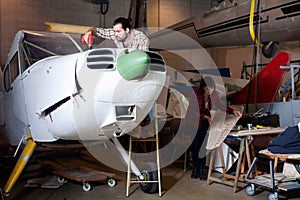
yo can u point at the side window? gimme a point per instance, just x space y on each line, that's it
10 73
6 79
14 67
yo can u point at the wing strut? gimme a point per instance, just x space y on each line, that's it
24 158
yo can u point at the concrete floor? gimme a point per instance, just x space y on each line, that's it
176 184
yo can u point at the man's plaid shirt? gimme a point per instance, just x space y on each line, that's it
138 40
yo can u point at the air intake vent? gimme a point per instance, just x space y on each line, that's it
157 63
126 113
101 59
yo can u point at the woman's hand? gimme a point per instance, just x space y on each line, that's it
237 113
207 118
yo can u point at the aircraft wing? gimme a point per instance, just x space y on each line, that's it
229 25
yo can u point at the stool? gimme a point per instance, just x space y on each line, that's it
144 140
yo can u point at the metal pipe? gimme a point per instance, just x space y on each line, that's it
126 159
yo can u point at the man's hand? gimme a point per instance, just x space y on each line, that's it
85 37
89 32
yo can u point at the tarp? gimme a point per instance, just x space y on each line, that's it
288 142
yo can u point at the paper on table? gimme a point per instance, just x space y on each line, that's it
220 128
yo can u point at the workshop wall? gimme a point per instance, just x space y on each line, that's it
163 13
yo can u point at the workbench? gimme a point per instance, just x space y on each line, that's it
245 137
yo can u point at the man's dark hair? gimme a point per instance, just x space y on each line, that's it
125 22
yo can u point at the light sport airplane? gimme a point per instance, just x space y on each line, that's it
55 90
232 23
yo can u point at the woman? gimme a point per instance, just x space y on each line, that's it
201 103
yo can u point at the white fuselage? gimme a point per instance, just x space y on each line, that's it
65 97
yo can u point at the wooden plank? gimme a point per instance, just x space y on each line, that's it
266 152
83 174
44 182
289 186
66 28
254 132
281 182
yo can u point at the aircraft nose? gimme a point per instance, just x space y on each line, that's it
133 65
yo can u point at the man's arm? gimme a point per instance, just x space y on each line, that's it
107 33
144 44
139 40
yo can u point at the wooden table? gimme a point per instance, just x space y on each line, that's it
244 151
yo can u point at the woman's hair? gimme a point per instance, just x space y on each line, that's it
126 23
207 81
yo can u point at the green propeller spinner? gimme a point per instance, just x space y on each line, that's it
133 65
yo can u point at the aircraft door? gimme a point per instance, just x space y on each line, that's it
14 101
1 101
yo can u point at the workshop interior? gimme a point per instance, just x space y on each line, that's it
149 99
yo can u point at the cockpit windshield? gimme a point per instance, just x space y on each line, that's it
38 45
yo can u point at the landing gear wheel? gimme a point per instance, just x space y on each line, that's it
273 196
150 173
86 187
250 190
111 182
269 49
60 179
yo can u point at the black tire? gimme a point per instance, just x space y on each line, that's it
150 173
270 49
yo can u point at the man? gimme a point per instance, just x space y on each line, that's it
122 35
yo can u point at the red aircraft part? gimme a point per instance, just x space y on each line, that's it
268 81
